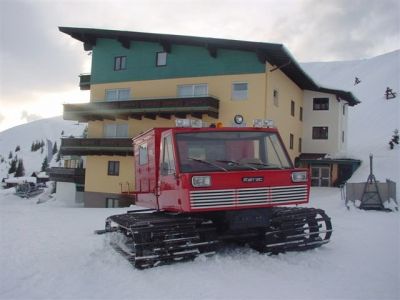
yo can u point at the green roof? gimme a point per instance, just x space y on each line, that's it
276 54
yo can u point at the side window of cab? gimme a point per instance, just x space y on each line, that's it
168 160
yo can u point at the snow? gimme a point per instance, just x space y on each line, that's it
49 251
18 180
52 253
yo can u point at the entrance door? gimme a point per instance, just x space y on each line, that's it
320 176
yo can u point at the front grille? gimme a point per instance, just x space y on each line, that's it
248 196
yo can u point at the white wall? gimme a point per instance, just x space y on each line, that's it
66 192
332 118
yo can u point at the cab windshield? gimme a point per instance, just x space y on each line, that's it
230 151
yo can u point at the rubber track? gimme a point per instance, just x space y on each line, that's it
154 239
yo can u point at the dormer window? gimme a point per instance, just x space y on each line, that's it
161 59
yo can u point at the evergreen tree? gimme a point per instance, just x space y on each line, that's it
13 166
20 171
58 156
17 148
45 165
10 155
55 148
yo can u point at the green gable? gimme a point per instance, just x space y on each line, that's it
182 61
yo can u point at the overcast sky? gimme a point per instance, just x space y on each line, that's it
39 66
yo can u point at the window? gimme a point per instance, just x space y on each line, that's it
301 114
251 150
291 141
292 108
321 104
115 130
119 63
276 98
320 133
168 166
300 145
118 94
112 202
344 110
239 91
342 136
143 155
193 90
161 59
113 168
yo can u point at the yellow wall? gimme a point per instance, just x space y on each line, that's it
285 122
218 86
97 180
258 105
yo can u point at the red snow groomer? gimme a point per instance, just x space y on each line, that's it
205 186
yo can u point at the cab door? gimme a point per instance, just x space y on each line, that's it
169 185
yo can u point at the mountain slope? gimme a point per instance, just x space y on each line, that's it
26 134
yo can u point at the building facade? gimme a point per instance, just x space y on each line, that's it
144 80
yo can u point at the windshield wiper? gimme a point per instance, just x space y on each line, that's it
236 163
265 165
208 163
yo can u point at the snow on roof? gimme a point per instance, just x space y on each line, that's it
20 180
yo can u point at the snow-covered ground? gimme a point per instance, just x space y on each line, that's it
49 251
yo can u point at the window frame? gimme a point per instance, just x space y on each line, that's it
120 63
193 90
291 141
112 202
117 129
113 168
321 103
118 94
238 97
292 108
301 114
143 154
275 96
320 133
168 157
158 59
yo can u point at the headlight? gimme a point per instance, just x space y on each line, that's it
299 176
201 181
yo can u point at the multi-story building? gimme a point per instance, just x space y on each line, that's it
144 80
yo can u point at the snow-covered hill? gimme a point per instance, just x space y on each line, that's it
50 129
371 123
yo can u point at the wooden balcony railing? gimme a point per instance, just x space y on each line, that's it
139 108
84 82
96 146
76 175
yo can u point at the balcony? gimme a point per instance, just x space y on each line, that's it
143 108
84 82
75 175
96 146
